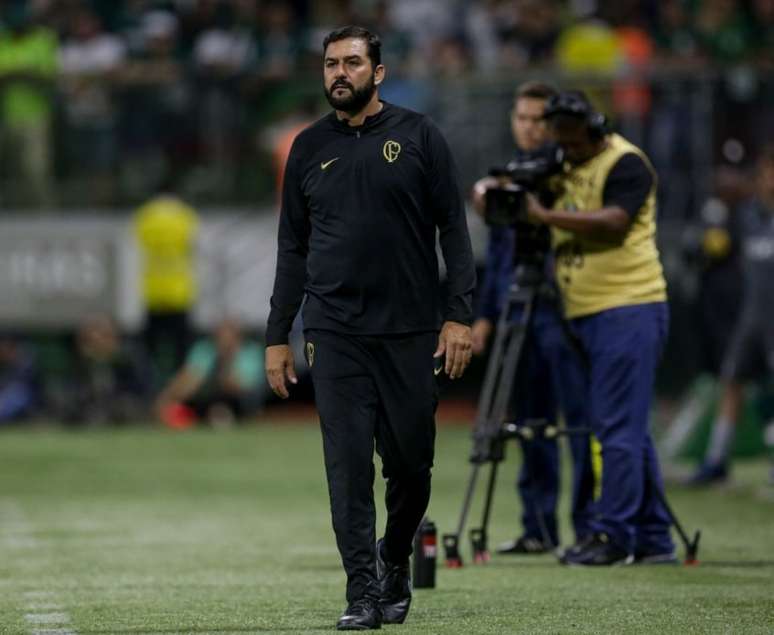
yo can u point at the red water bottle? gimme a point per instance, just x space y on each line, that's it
425 552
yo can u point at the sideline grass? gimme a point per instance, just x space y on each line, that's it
143 531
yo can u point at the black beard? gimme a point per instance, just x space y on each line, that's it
355 100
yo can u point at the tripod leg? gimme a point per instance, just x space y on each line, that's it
478 536
486 427
691 546
488 445
502 396
534 494
451 542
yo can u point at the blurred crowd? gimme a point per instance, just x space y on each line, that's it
102 100
167 371
108 378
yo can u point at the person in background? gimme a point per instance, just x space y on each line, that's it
750 354
28 63
90 60
19 387
550 376
220 382
166 229
609 272
109 376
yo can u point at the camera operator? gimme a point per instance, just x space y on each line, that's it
549 369
614 293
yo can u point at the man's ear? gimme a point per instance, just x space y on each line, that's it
379 73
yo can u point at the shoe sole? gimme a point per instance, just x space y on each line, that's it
357 627
668 558
625 562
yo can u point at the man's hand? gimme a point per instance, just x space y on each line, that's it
480 332
537 213
280 365
478 195
455 341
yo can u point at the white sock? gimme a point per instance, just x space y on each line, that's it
768 435
720 441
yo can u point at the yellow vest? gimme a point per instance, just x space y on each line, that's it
166 230
595 275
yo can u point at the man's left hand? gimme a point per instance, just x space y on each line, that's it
456 342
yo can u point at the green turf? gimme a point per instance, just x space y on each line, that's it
144 531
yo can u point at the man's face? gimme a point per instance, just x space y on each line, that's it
527 123
349 76
574 139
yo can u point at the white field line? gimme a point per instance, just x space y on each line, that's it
45 615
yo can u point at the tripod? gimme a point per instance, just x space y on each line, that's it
491 430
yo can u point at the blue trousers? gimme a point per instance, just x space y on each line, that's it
551 377
623 347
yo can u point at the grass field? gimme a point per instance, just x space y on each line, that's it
143 531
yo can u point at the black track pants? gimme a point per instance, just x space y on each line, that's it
374 392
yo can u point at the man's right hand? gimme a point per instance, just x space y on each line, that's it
481 330
279 366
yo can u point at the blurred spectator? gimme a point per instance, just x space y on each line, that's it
424 24
157 132
19 380
223 55
763 23
28 57
166 229
396 43
717 252
750 355
675 35
109 377
724 30
278 43
220 382
89 61
528 31
450 58
589 46
277 138
711 247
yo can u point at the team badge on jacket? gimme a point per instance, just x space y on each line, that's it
310 354
391 150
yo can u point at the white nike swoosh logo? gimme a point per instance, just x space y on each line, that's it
325 164
437 371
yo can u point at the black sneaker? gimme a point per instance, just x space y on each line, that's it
598 551
394 586
361 615
524 545
708 474
576 548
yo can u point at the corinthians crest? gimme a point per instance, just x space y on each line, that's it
310 353
391 150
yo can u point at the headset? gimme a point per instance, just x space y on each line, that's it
575 104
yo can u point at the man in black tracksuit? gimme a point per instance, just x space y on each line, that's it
365 190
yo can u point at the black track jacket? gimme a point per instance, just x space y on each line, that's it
360 207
